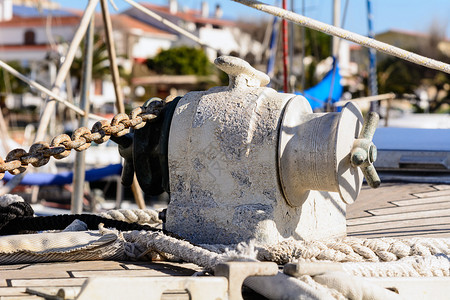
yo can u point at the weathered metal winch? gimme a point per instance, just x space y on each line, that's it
245 162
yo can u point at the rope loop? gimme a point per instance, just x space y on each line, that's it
59 141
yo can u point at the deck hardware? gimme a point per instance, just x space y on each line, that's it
236 273
364 152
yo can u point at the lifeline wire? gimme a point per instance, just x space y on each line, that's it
348 35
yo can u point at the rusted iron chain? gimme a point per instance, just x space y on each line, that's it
17 160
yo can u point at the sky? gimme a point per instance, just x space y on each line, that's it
407 15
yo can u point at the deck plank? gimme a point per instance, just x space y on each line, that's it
442 187
409 208
444 192
417 201
383 196
121 273
393 217
403 210
12 291
411 226
185 269
52 270
46 282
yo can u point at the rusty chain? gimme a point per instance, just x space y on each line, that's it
17 160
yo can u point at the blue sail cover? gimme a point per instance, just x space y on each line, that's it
67 177
328 89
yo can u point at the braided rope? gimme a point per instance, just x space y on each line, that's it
412 266
140 216
354 249
182 249
425 257
39 154
348 35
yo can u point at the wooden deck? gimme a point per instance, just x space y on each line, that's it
401 210
393 210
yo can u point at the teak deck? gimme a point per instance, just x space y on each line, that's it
401 210
393 210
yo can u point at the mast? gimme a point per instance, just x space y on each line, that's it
335 50
285 51
373 85
337 23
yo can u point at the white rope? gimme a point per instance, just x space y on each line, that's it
348 35
412 266
354 249
141 216
413 257
182 249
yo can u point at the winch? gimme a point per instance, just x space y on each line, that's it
244 162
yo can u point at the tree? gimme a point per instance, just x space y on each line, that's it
181 61
100 63
398 76
11 84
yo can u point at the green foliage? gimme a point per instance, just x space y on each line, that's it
317 44
398 76
181 61
100 62
9 81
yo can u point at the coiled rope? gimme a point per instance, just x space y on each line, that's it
348 35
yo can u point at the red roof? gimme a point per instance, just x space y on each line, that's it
126 22
24 47
40 21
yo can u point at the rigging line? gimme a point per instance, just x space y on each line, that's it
169 24
344 17
44 90
48 30
348 35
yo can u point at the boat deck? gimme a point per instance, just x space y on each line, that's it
393 210
401 210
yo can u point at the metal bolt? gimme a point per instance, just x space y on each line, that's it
364 152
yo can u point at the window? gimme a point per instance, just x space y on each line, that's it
29 37
98 86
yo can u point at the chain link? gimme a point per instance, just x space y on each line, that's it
17 160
